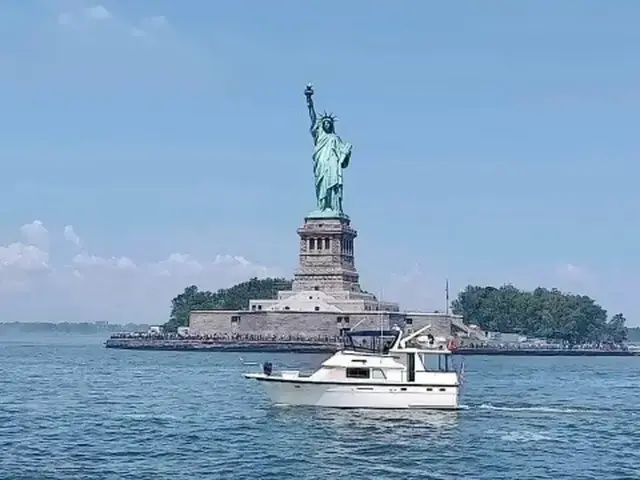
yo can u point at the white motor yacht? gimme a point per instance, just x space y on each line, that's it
375 369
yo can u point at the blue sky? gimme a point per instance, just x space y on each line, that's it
493 143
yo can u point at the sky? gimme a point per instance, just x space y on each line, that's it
148 145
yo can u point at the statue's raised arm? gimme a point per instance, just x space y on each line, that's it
308 92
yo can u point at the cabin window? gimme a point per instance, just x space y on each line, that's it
287 308
346 319
358 373
409 321
259 307
235 319
317 309
378 374
339 320
253 307
436 363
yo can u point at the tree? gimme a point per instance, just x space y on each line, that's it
617 329
541 313
181 306
234 298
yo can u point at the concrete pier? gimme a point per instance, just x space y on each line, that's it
268 346
220 345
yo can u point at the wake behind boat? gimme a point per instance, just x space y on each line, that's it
375 369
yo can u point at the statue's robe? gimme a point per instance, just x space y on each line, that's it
330 156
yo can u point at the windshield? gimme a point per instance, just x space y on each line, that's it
370 341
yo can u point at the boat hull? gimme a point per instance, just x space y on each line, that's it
344 395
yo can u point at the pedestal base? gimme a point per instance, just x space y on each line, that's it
327 255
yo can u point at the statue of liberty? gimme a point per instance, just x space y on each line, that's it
331 156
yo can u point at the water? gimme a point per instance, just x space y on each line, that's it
71 409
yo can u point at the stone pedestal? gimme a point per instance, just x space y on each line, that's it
327 257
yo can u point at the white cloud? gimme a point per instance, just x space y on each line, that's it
230 260
88 48
84 286
79 17
42 279
36 234
71 236
25 263
97 22
84 260
177 264
98 12
23 257
158 21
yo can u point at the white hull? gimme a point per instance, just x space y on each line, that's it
283 392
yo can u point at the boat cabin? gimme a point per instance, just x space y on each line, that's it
383 357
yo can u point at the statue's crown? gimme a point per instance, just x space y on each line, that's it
328 116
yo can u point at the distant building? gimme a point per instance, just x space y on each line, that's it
155 330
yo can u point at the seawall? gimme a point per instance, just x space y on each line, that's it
220 346
258 346
541 352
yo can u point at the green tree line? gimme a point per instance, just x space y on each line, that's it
234 298
540 313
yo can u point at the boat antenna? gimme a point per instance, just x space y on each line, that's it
446 292
381 322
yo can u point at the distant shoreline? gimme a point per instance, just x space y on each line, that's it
68 328
316 347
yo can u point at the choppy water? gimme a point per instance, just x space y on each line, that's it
70 409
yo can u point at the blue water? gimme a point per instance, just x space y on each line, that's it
71 409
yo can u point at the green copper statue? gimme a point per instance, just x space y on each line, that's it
331 156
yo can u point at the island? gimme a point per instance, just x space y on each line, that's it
508 321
